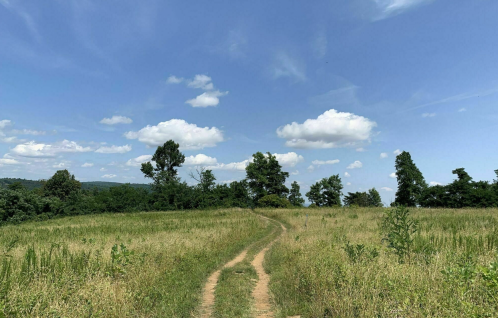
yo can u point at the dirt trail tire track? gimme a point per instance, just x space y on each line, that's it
208 293
260 292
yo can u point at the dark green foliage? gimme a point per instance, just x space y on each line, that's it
167 158
265 176
399 228
363 199
61 185
360 253
273 201
326 192
411 183
295 197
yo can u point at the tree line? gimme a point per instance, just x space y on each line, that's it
264 186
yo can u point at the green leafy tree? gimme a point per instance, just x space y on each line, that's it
411 182
359 199
326 192
16 186
460 189
167 159
61 185
295 197
265 176
374 198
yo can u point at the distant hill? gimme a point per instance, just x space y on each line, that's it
32 184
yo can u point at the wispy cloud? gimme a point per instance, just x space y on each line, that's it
389 8
28 20
286 66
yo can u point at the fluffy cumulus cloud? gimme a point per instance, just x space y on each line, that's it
330 130
236 166
136 162
325 162
114 120
189 136
33 149
397 152
290 159
174 80
114 149
109 176
355 165
201 81
200 160
393 175
7 161
4 123
206 99
386 189
434 183
346 174
87 165
384 155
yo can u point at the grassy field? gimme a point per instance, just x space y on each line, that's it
119 265
339 266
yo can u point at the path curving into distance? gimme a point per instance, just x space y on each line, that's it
260 292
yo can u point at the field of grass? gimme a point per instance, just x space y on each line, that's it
339 265
119 265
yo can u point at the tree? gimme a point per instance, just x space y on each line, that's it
326 192
374 198
265 176
332 190
167 158
295 197
460 189
314 195
356 199
61 185
16 186
411 182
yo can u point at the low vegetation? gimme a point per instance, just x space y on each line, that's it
118 265
375 262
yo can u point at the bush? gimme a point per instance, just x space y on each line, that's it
274 201
313 206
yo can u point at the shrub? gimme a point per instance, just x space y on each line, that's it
399 229
273 201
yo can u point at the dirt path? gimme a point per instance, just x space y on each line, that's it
208 293
260 292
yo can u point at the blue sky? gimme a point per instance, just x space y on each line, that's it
332 87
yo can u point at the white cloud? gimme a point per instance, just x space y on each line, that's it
103 169
349 183
386 189
114 120
60 165
4 123
393 175
285 66
388 8
201 81
346 174
397 152
426 115
11 139
355 165
206 99
330 130
361 149
109 176
228 181
28 132
238 166
174 80
137 162
200 160
87 165
7 161
294 173
311 168
290 159
462 110
434 183
325 162
114 149
384 155
33 149
189 136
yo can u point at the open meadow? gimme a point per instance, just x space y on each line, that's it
338 265
119 265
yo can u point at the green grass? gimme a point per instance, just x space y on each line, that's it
118 265
453 268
